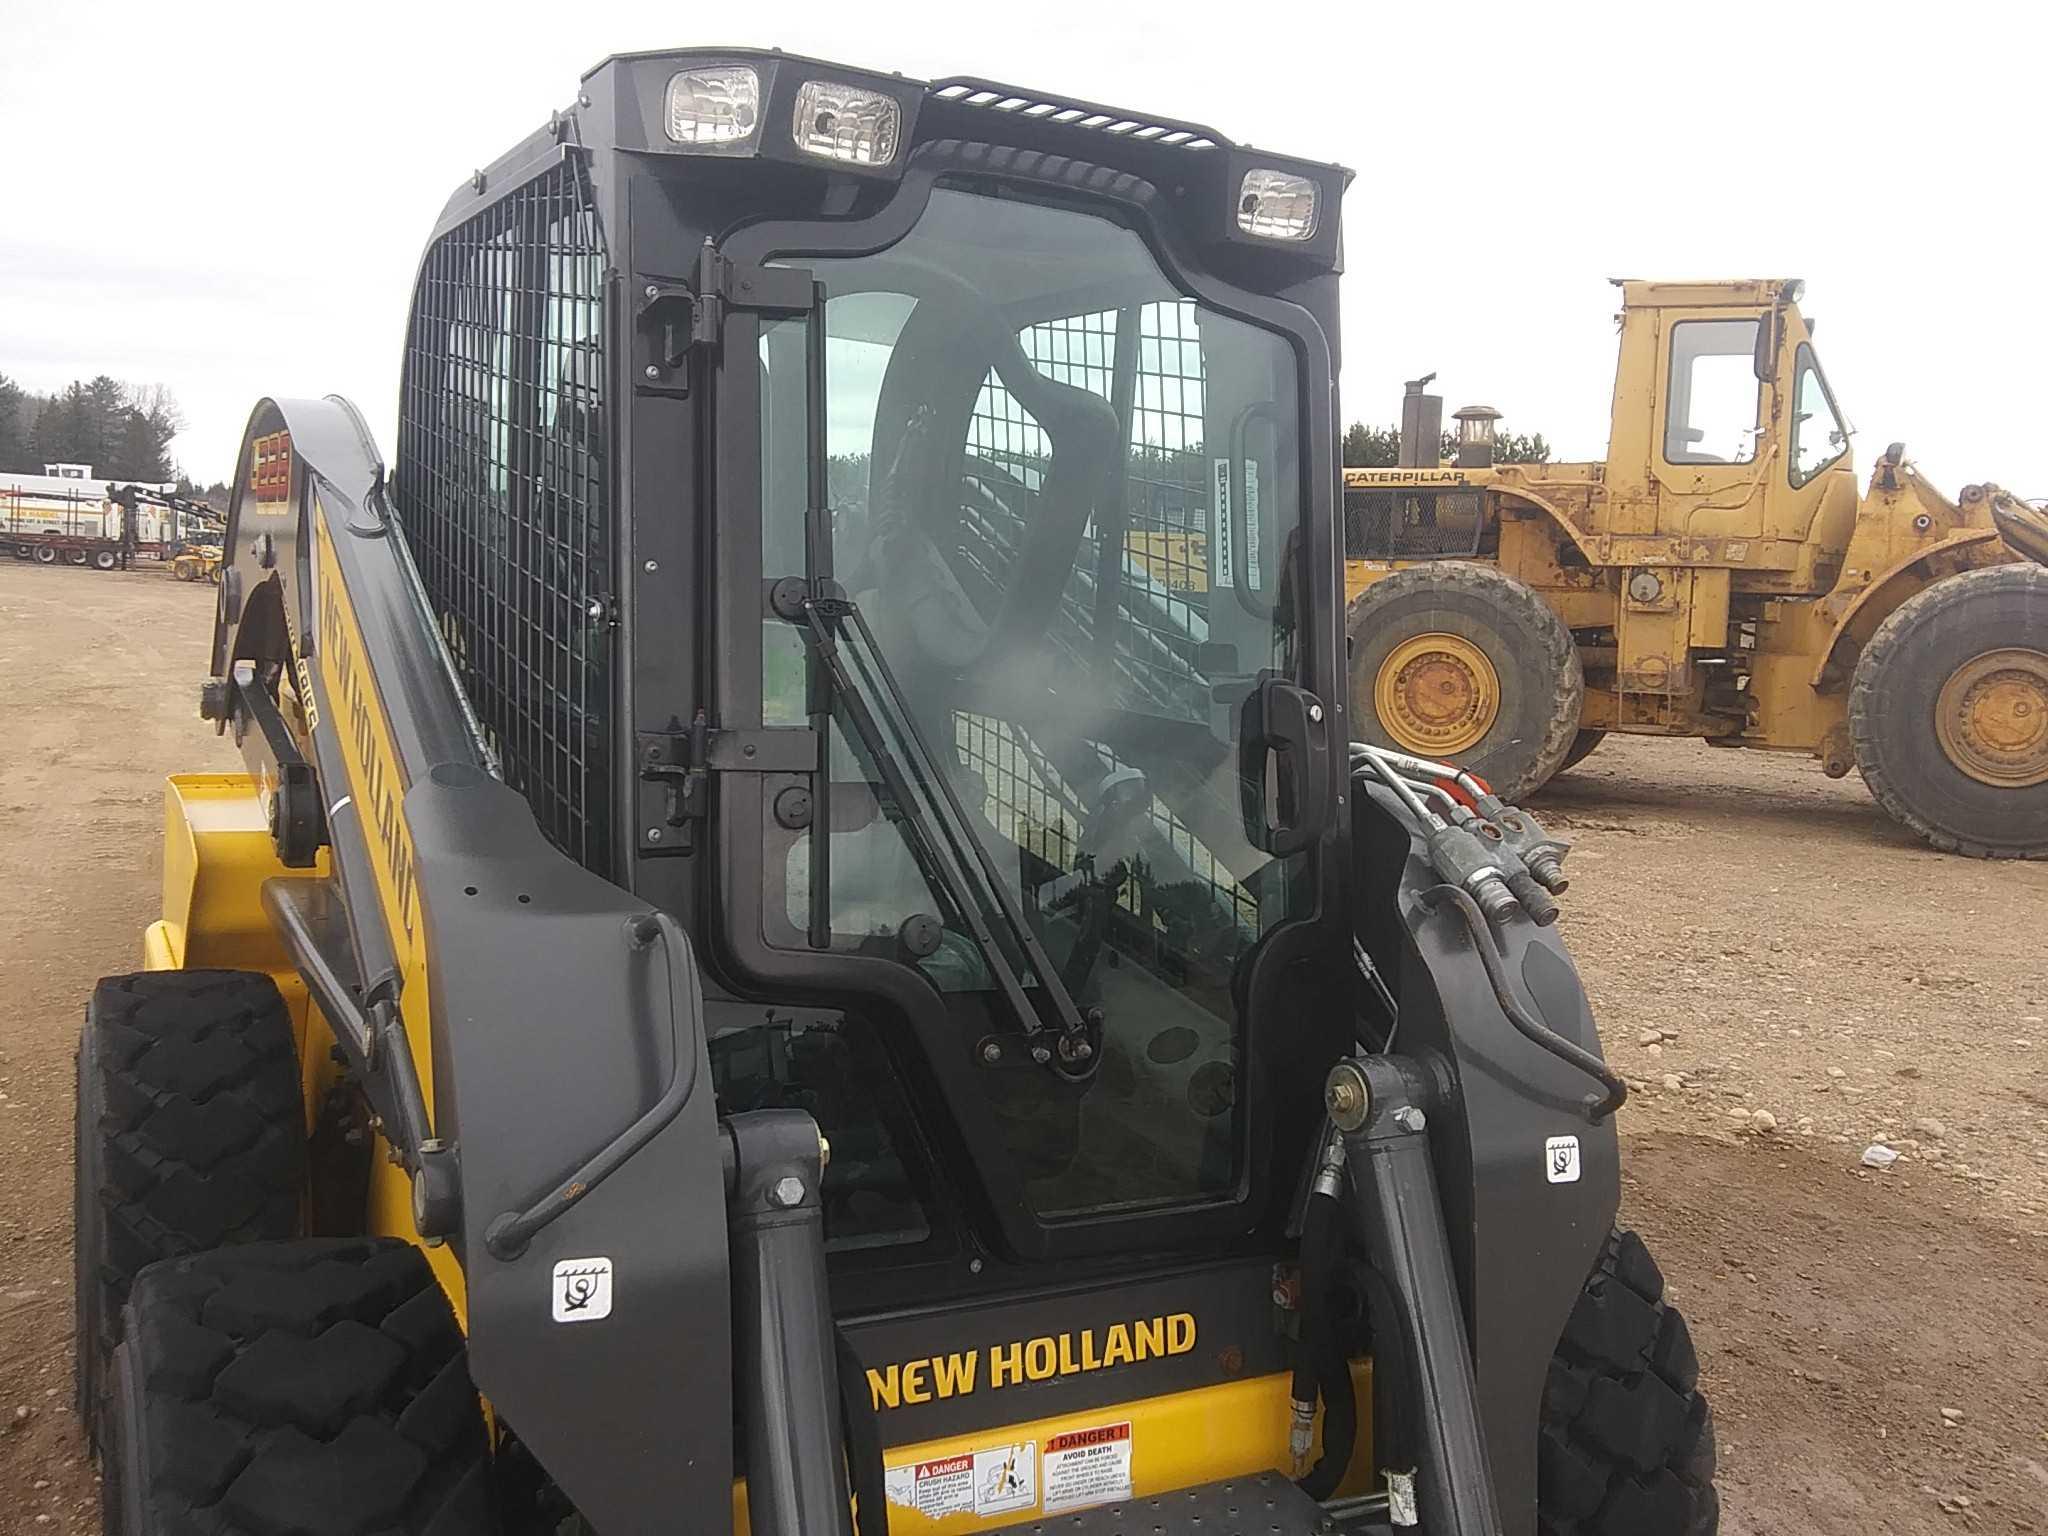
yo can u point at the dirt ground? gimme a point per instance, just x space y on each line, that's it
1797 956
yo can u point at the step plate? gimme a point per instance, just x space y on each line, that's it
1265 1505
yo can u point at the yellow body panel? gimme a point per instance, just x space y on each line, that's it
1178 1440
1733 557
217 854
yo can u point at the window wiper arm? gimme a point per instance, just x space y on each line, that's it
827 617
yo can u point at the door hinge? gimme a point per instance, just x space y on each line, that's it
674 318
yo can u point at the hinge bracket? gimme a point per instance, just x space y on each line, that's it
674 318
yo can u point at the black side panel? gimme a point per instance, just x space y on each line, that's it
1521 1244
554 1032
502 492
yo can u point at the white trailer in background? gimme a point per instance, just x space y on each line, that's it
66 515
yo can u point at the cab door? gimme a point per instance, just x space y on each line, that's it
1710 439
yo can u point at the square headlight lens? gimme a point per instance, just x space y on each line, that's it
1277 205
844 122
716 107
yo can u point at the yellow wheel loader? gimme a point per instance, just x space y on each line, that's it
768 972
1717 576
197 562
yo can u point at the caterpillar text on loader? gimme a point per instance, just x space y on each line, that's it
869 1010
1717 576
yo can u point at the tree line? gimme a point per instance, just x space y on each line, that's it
123 431
1380 447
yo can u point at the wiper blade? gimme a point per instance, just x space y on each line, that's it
965 870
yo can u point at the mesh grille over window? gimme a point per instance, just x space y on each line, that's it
501 489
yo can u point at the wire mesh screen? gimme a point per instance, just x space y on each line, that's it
1158 564
1153 577
1412 525
502 494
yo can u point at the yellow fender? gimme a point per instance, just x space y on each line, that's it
1892 586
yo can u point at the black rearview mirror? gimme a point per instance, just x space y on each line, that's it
1765 363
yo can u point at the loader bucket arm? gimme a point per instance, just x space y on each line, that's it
529 1034
2024 528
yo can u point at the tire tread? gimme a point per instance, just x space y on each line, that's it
313 1416
1626 1442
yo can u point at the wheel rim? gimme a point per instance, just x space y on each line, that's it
1437 694
1992 718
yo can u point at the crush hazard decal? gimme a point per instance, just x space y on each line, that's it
990 1480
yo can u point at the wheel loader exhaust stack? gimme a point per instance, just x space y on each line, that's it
1422 425
1716 576
806 944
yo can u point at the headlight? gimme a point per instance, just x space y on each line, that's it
715 108
1276 205
844 122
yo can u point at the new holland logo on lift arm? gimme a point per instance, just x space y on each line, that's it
1039 1359
373 766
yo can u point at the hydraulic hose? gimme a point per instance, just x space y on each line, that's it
1319 1364
1532 1028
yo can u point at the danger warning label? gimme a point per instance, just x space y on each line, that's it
994 1481
934 1488
1087 1466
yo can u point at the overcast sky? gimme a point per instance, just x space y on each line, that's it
230 201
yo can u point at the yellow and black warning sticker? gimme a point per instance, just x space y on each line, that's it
994 1366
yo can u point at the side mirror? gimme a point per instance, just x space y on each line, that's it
1769 332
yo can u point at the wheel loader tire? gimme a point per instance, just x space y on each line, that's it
318 1387
1583 745
1472 666
1626 1443
1948 713
190 1134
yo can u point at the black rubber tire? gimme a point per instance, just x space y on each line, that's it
311 1388
105 560
1626 1443
1892 699
1543 685
46 554
190 1134
1583 746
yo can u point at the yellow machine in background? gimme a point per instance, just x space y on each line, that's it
197 562
1718 576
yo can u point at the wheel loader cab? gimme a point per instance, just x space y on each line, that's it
1724 425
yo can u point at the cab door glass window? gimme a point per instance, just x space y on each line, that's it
1818 436
1711 405
1067 499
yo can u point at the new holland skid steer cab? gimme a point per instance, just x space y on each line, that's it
1717 576
803 946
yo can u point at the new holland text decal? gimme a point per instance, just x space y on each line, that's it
1005 1365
